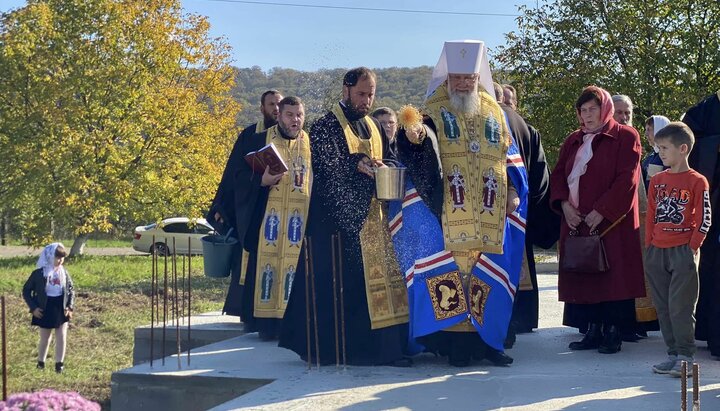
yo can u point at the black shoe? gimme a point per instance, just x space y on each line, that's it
479 352
41 365
460 356
459 361
611 342
509 341
267 336
591 341
498 358
630 337
405 362
59 367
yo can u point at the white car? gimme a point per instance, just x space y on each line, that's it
178 228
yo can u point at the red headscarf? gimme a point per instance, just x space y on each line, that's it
606 109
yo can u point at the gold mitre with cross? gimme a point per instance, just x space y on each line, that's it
462 57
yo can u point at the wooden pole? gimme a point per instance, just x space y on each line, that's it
4 351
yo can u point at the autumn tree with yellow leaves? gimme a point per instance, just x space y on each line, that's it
110 111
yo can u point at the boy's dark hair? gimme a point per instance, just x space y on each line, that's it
383 111
354 75
587 95
267 93
678 133
60 252
289 101
649 122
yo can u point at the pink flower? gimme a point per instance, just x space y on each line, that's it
48 400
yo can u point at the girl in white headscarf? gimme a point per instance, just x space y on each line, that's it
49 295
652 164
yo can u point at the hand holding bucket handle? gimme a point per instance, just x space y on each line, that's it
384 163
390 180
366 166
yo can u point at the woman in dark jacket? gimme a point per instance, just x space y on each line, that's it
594 185
49 295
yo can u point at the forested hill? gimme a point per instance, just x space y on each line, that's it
395 86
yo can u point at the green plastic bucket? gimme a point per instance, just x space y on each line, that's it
217 254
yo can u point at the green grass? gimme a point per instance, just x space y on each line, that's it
91 243
113 297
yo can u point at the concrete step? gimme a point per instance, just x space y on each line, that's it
176 392
205 329
217 373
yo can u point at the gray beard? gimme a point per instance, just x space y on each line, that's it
466 103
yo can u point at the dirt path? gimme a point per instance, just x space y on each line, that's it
23 251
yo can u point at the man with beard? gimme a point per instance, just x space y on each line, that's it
704 120
222 213
477 249
262 206
346 145
269 110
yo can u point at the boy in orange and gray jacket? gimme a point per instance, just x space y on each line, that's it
677 221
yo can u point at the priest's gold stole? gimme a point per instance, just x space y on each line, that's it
384 284
283 227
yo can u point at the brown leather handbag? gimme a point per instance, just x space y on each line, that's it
585 254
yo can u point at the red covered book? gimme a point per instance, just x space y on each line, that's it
266 156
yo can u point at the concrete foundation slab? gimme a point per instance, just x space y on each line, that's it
545 376
206 329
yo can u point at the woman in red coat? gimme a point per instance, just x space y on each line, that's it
593 185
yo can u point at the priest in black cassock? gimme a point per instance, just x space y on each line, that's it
543 225
222 213
345 143
704 120
271 213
